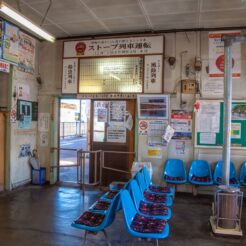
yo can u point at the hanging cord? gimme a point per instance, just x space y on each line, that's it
18 5
46 13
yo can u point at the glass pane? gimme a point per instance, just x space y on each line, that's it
100 120
111 75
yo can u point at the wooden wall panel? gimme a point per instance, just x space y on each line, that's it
2 148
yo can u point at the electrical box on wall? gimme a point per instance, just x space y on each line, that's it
189 86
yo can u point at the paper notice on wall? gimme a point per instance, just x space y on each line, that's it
25 112
44 139
209 117
156 131
207 138
143 126
213 88
236 130
116 134
102 115
23 91
155 152
168 133
181 122
25 150
13 115
180 147
117 113
43 122
216 54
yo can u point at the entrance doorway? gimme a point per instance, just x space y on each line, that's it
112 124
74 127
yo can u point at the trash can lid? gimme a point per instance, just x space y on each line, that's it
228 189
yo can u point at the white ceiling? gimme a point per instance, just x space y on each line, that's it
90 17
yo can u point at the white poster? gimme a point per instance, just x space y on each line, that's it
209 117
153 74
236 130
27 47
116 134
23 91
44 139
180 147
213 88
117 113
168 133
207 138
70 76
216 55
114 47
102 115
43 122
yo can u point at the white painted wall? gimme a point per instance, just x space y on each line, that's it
20 172
51 71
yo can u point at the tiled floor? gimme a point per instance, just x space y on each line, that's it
35 216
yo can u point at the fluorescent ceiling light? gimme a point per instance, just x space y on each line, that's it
4 8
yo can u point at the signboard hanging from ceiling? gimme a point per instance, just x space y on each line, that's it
114 47
216 55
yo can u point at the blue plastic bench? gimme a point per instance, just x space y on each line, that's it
243 174
155 188
157 210
174 172
218 174
142 226
151 196
200 173
96 221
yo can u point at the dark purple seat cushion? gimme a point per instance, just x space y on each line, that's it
179 178
101 205
232 180
111 194
159 198
204 179
90 219
153 209
144 224
161 189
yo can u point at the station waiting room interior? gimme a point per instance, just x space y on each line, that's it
122 122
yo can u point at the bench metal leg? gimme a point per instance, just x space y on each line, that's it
85 238
157 242
106 237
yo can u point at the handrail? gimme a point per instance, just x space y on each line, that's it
81 156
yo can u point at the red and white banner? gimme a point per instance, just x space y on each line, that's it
216 55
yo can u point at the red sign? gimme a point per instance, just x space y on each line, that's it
80 48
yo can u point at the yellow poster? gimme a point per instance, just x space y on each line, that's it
155 152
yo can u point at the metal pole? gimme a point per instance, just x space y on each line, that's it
227 112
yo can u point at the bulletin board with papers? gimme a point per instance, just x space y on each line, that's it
209 124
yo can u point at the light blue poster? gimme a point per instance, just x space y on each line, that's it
25 120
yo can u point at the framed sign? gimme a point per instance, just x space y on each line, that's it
153 65
153 106
111 75
70 76
114 47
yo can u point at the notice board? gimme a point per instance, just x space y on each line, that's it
209 124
